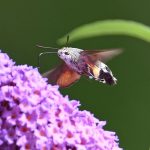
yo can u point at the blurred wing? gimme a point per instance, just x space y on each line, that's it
62 76
103 56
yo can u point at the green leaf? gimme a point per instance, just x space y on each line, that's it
108 27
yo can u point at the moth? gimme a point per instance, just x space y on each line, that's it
77 62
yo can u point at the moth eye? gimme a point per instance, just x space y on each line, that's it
66 53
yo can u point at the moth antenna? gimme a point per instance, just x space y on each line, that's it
67 40
45 47
43 53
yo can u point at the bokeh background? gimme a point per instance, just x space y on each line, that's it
126 106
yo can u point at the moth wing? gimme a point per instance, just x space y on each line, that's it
62 76
103 56
53 74
93 70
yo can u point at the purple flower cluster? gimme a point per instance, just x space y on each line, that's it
35 116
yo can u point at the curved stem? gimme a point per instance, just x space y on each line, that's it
108 27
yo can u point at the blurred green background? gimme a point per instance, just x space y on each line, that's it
126 106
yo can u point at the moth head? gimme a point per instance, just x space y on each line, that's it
106 75
64 53
69 54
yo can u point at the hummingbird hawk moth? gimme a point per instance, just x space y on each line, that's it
77 62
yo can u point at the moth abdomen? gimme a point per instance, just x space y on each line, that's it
106 77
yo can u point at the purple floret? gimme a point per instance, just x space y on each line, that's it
35 116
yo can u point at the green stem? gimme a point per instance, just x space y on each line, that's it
108 27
